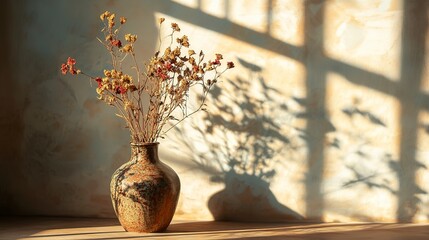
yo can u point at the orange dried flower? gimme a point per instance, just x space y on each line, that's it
117 43
175 27
104 15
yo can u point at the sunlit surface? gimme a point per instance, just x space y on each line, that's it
87 228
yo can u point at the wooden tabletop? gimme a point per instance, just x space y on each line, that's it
38 228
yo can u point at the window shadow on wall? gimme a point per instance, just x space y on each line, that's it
412 99
317 64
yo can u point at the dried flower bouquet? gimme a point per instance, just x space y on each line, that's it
150 97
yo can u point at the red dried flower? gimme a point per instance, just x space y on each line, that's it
99 81
73 71
230 65
117 43
71 62
120 90
64 68
168 66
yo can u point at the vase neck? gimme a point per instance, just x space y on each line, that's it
145 151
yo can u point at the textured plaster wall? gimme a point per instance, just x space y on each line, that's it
325 117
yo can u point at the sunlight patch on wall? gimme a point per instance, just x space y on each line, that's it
361 154
189 3
253 16
288 21
218 8
366 36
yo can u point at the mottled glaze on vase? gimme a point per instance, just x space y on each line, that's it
144 191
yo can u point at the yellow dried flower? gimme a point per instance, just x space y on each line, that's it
126 78
167 52
104 15
116 74
122 20
107 73
176 52
131 38
110 100
183 41
175 27
109 37
127 48
115 83
111 19
99 91
191 52
128 105
192 60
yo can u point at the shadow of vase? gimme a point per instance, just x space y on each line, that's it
248 198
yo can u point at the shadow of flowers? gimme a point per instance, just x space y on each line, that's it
240 143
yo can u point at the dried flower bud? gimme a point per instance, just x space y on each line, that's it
132 87
176 52
116 43
72 71
107 73
122 20
127 48
128 105
167 51
219 56
185 42
130 38
111 20
126 78
109 37
192 61
110 100
99 82
191 52
175 27
64 69
230 65
104 15
99 91
161 20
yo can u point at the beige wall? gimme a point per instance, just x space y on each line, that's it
325 117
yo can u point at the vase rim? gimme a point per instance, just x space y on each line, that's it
144 144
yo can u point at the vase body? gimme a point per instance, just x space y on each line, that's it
144 191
